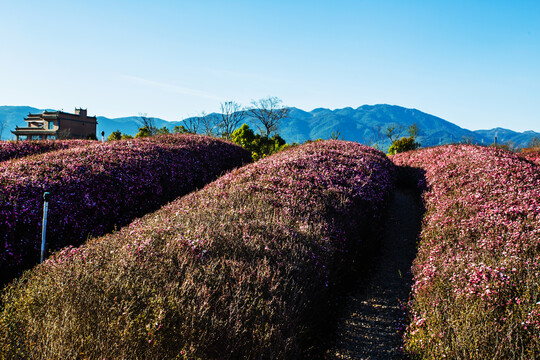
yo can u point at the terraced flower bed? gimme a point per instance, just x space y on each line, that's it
245 268
476 292
18 149
99 187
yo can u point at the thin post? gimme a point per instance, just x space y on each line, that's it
44 247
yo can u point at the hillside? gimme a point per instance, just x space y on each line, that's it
360 124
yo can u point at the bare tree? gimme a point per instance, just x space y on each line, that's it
232 114
193 123
533 143
392 132
209 124
148 123
378 138
413 131
268 112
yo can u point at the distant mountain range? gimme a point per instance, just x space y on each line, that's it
364 124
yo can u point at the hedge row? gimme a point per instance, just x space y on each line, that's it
18 149
532 154
476 293
99 187
246 268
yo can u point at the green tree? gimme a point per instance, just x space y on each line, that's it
180 129
148 124
259 146
162 131
143 132
115 135
403 144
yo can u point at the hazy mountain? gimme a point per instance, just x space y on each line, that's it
364 124
508 136
11 116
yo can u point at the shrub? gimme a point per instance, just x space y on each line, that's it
17 149
99 187
244 268
259 146
476 293
403 144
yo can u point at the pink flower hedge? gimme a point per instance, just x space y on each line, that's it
18 149
99 187
476 292
245 268
532 155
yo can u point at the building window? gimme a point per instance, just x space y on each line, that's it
51 137
36 137
51 125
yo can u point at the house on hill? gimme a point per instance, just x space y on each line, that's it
51 125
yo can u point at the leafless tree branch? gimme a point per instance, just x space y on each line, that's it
268 112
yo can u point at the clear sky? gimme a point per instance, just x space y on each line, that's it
474 63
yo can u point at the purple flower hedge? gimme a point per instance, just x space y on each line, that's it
99 187
17 149
245 268
476 292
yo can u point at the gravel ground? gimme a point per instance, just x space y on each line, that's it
368 326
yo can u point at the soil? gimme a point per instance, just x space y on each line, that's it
369 327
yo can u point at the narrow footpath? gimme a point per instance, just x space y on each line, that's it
369 325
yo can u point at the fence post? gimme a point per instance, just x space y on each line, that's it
44 247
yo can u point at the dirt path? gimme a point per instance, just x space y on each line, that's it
368 327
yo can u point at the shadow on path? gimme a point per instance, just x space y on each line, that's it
369 325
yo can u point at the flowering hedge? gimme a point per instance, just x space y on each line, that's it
99 187
244 268
532 154
476 292
17 149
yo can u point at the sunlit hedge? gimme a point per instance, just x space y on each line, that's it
98 187
18 149
245 268
476 292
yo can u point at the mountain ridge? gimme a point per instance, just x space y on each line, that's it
363 124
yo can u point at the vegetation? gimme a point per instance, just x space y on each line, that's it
259 146
245 268
97 187
402 144
476 293
18 149
268 112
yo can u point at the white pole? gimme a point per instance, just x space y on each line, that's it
44 227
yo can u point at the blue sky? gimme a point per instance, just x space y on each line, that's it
474 63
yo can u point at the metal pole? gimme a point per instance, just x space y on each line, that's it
44 227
